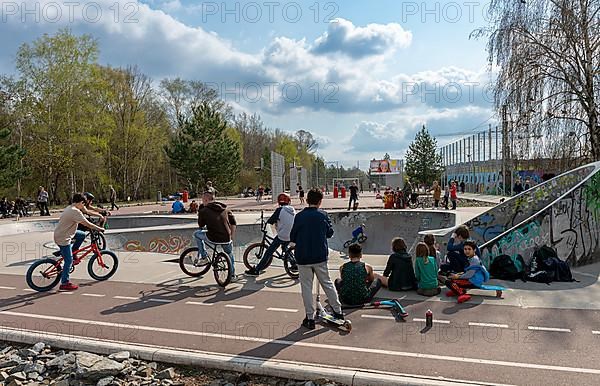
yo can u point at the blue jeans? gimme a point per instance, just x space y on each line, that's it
66 252
201 238
269 252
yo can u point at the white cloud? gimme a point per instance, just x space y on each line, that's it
358 42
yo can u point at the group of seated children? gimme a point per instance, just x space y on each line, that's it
460 270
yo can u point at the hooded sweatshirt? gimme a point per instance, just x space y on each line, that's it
283 219
475 272
218 220
400 271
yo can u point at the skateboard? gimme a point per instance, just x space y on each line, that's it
325 316
463 298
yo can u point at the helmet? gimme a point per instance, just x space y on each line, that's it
284 199
88 196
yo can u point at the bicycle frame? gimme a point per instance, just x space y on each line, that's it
90 249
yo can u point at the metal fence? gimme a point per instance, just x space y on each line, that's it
277 174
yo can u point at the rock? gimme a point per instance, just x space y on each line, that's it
105 381
153 365
119 356
166 374
26 353
33 375
38 347
46 357
6 350
34 368
11 361
20 376
62 382
230 377
309 383
65 360
3 375
216 382
229 384
95 367
14 382
144 371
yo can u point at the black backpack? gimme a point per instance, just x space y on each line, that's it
503 267
546 259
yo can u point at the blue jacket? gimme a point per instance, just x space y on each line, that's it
476 273
310 232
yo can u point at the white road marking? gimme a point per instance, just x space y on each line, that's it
596 332
281 309
378 317
434 320
200 303
8 288
160 300
125 298
94 295
66 293
239 306
551 329
290 343
477 324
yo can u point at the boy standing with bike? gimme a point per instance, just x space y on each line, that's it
66 232
283 219
310 232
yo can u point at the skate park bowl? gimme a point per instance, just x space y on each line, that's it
562 213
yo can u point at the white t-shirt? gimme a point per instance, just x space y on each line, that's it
67 225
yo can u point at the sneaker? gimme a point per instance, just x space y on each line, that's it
234 278
339 316
252 272
464 298
68 287
308 323
199 261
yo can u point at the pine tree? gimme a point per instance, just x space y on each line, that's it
423 163
202 151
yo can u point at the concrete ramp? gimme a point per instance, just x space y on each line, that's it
383 225
562 213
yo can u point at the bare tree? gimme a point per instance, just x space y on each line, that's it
548 54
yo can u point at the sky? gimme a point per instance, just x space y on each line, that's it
362 76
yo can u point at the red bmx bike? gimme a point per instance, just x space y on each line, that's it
44 274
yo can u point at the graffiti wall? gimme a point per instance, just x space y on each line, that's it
571 226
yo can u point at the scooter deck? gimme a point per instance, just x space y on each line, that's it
340 323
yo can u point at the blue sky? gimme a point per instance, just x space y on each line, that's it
361 76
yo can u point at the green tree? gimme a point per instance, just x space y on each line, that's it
423 163
10 155
202 151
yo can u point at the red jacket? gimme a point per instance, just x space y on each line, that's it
453 193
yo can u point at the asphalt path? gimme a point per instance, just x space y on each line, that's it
476 341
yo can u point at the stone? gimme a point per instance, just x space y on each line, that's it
65 360
34 367
309 383
38 347
14 382
105 381
229 384
33 375
95 367
144 371
26 353
230 377
46 357
11 361
6 350
166 374
21 376
153 365
3 375
120 356
62 382
216 382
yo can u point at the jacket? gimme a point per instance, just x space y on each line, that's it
400 271
475 272
218 220
283 219
310 232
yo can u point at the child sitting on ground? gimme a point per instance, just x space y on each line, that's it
357 284
475 274
429 240
399 274
426 271
457 261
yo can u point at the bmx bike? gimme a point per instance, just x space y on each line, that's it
191 264
44 274
254 253
360 239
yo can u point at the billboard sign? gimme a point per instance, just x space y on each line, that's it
385 166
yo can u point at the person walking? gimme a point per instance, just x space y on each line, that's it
437 194
310 232
453 195
353 196
42 201
113 198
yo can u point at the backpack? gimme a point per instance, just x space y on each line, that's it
545 259
504 268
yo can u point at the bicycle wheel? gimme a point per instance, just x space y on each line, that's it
43 275
222 269
101 240
289 263
348 243
102 267
253 254
362 239
186 263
